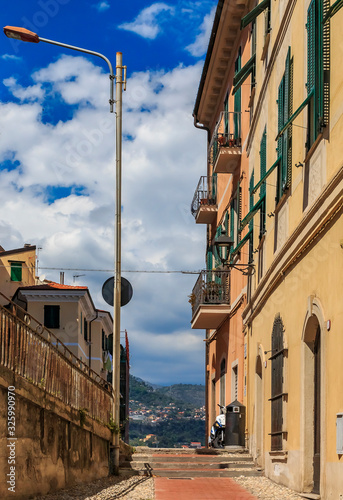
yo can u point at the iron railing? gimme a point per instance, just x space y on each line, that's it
33 352
227 134
205 194
211 287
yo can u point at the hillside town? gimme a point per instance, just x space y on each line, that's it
204 162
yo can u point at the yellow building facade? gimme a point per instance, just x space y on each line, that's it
289 230
17 268
292 318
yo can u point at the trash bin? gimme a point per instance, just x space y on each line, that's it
235 424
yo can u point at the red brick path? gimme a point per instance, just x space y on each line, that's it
218 488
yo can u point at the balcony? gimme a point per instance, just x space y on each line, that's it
204 204
225 149
210 299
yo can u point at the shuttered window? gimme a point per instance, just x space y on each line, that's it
277 359
252 15
251 223
242 75
237 100
263 168
284 142
16 271
315 82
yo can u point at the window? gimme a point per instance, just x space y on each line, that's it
222 382
237 101
251 223
103 340
52 316
284 142
314 84
263 167
252 15
277 359
16 271
85 329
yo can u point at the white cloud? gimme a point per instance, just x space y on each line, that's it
33 93
199 47
11 57
163 157
102 6
147 23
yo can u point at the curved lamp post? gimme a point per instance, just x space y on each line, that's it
120 77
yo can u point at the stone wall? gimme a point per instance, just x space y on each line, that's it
53 447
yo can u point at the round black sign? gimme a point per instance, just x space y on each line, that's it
108 291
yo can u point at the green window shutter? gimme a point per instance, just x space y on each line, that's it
16 271
242 75
252 15
238 100
263 162
217 260
214 187
252 212
281 145
232 219
335 7
251 198
209 258
226 115
311 46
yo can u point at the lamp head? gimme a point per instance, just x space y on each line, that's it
21 34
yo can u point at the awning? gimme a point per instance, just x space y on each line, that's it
251 16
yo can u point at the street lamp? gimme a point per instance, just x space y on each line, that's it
120 77
226 242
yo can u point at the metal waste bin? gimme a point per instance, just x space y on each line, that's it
235 424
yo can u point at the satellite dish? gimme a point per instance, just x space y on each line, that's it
108 291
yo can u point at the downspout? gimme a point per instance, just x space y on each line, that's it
202 127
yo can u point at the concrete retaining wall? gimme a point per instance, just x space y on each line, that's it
50 448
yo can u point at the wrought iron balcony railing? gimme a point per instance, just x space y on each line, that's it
211 287
227 134
205 194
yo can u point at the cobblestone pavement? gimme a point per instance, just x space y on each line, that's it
265 489
109 488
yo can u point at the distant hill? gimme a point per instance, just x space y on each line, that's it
184 395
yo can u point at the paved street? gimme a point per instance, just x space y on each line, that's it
199 489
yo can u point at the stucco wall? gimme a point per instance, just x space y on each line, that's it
52 449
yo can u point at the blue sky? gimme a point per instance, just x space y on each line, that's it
57 160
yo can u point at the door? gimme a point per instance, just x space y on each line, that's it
317 371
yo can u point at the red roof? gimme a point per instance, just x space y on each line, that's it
51 285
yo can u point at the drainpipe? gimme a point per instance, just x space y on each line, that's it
202 127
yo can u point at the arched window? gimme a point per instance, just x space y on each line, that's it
277 359
222 382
